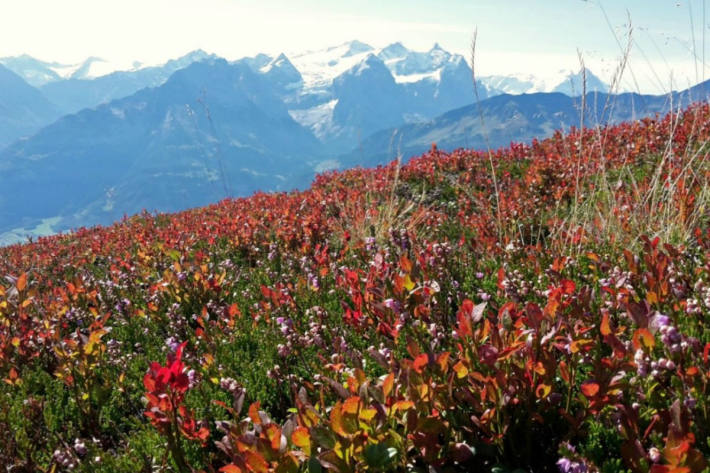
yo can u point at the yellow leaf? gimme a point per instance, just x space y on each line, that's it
461 370
408 283
543 390
402 405
651 297
94 339
367 414
301 438
577 345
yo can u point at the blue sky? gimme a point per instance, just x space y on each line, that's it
524 36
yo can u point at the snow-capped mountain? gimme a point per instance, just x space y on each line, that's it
566 81
283 74
39 73
33 71
319 68
393 84
83 90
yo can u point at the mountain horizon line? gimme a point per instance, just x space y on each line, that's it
93 66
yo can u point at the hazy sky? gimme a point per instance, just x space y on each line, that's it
529 36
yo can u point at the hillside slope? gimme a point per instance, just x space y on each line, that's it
543 308
212 131
508 118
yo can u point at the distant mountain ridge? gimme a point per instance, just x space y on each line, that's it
23 109
513 118
200 128
213 130
428 83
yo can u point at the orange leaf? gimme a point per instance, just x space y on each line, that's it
256 462
443 361
254 412
301 438
406 264
234 310
589 388
651 297
643 338
388 384
231 468
273 432
336 419
21 283
420 362
461 370
605 328
351 405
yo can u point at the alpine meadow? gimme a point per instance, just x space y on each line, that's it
366 257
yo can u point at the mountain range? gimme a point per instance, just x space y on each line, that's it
198 129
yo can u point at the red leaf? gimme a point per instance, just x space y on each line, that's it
420 362
568 286
178 352
149 382
589 388
501 277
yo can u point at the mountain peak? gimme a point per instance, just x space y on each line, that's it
197 53
281 58
392 51
356 47
371 66
574 83
282 71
